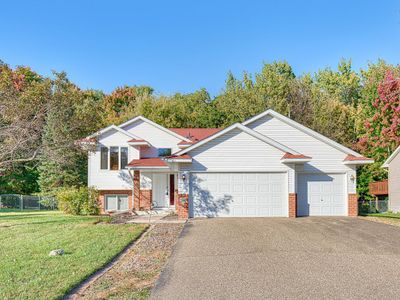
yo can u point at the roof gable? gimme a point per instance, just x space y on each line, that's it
302 128
391 157
112 127
239 126
143 119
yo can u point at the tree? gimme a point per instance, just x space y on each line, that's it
122 103
273 85
344 84
382 131
71 115
383 128
23 106
238 102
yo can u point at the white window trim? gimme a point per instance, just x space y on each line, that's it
109 158
116 195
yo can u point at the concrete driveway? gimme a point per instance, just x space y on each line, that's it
277 258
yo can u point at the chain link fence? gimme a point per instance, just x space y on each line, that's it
373 206
27 202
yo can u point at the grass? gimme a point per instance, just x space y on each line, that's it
26 238
383 215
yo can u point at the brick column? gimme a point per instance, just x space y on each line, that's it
292 205
352 205
182 207
136 190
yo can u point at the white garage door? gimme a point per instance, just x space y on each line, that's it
238 195
321 195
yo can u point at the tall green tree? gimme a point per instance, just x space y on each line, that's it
343 84
273 85
71 115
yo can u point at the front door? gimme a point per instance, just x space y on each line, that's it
160 190
171 189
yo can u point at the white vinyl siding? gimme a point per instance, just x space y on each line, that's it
325 158
155 136
110 179
236 151
238 195
394 184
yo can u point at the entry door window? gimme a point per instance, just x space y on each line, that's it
116 202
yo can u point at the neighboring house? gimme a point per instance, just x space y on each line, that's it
267 166
393 165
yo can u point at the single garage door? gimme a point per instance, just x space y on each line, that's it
321 195
238 195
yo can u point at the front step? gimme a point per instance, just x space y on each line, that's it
159 212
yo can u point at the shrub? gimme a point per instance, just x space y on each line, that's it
78 201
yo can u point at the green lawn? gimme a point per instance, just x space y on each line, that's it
26 238
383 215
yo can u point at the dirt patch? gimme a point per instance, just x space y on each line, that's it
134 275
390 221
121 218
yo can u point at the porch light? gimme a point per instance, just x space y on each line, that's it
184 177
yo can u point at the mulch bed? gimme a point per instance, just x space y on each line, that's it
134 275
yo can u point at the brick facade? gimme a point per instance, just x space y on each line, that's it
142 198
182 207
102 194
352 205
136 190
292 205
145 202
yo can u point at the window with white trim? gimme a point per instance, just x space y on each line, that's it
113 158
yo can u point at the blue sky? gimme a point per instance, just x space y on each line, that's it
181 46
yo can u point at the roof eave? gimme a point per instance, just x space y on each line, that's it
147 167
177 160
295 160
359 162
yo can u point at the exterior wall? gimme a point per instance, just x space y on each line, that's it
352 205
107 179
102 194
394 184
182 206
142 197
236 151
292 205
351 177
155 136
325 158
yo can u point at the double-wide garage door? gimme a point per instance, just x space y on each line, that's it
238 195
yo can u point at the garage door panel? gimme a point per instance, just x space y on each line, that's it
321 195
243 194
238 187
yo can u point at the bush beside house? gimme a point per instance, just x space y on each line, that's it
78 201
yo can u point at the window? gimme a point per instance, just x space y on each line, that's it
164 151
104 158
114 158
116 202
124 157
